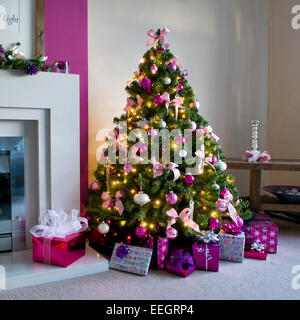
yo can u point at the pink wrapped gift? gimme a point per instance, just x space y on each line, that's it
256 255
160 254
59 251
59 239
264 229
206 256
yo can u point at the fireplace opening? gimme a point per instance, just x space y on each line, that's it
12 205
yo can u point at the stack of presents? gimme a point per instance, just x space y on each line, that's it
65 243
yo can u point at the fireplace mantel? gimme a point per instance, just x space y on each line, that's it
51 102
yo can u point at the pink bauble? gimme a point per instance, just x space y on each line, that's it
141 232
224 192
172 66
213 223
180 87
214 159
127 167
171 198
189 179
196 104
95 186
171 233
193 125
154 68
179 139
152 132
146 83
158 99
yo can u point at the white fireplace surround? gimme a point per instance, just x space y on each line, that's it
46 109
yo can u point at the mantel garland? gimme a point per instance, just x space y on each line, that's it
14 58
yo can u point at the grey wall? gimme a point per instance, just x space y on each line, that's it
222 43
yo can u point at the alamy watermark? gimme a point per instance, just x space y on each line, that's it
149 145
2 278
296 279
295 22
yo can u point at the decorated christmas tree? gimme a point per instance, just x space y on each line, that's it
163 172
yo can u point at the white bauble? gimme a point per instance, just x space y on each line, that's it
222 165
141 198
103 227
167 81
182 153
162 124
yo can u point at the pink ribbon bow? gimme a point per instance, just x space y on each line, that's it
184 216
224 204
158 169
166 97
152 34
209 132
109 203
137 76
131 103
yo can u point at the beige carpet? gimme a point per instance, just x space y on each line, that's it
253 279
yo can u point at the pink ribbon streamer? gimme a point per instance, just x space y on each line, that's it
152 34
175 61
158 169
184 216
201 154
166 97
109 203
177 102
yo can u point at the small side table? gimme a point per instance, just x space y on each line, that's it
256 201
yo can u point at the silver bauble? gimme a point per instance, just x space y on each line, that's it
162 124
222 165
167 81
182 153
103 227
141 198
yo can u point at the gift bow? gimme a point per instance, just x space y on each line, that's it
131 103
184 216
109 203
207 237
258 246
152 34
158 169
59 224
181 260
122 251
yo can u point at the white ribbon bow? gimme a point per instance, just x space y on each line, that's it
59 224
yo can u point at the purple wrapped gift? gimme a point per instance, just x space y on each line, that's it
264 229
206 253
181 263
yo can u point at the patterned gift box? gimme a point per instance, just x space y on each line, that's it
206 256
181 263
131 259
232 247
59 251
256 255
160 253
264 229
